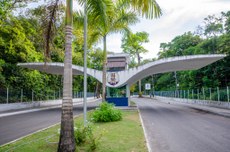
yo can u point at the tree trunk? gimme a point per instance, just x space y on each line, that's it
97 91
104 70
66 140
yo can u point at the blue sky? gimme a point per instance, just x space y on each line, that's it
179 16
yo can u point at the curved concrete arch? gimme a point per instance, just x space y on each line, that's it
181 63
132 75
58 69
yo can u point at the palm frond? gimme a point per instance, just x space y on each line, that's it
49 25
99 9
147 8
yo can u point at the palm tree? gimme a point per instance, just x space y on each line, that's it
132 44
66 140
98 8
118 21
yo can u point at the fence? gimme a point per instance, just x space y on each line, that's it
211 94
10 95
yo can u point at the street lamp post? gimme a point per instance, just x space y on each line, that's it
85 63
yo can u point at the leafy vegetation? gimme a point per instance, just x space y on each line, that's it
106 112
84 136
127 133
212 37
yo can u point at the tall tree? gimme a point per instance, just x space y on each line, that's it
67 141
132 44
116 20
98 9
7 6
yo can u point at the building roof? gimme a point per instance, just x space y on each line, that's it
119 55
116 64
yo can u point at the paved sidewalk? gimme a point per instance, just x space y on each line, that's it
27 110
213 110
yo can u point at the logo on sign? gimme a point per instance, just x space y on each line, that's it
113 78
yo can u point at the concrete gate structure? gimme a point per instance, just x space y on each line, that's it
126 77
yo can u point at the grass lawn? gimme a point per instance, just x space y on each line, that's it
121 136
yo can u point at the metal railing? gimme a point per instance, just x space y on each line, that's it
10 95
211 94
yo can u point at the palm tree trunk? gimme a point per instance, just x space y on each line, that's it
66 140
104 70
97 90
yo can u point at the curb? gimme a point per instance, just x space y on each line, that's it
210 111
35 132
46 127
195 107
40 109
145 133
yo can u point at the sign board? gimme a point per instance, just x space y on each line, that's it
113 78
147 86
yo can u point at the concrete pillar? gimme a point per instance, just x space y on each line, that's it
128 93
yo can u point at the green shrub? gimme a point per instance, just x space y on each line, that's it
140 94
106 113
84 136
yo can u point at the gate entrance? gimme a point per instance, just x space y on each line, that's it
116 63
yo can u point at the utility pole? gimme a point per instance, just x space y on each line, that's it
85 64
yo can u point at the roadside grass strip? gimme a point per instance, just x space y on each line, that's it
120 136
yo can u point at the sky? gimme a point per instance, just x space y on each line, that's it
179 16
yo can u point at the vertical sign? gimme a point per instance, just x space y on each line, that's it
147 86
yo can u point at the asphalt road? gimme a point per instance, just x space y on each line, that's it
178 128
16 126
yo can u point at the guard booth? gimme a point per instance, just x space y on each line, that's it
115 63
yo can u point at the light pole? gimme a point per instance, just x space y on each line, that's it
85 63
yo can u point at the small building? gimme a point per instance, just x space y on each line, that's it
117 62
